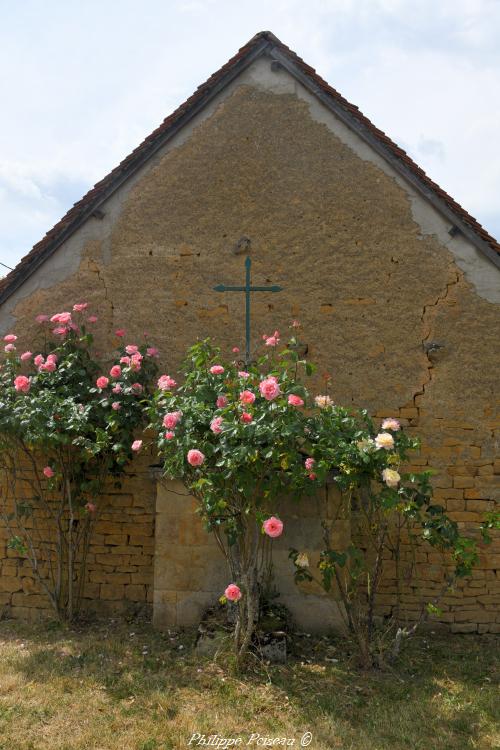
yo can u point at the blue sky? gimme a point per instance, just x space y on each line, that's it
83 82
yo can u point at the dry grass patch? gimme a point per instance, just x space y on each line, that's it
119 686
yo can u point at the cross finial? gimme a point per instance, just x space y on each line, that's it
248 288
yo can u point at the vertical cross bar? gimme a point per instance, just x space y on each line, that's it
248 288
247 309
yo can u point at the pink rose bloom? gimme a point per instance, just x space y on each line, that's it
217 370
312 476
80 306
120 332
166 383
136 387
309 463
195 457
247 397
102 382
269 388
152 351
233 593
64 318
25 356
272 340
273 527
92 319
42 318
60 331
169 435
125 361
216 425
131 348
10 338
135 361
115 371
10 348
243 374
52 358
116 405
221 402
246 418
49 366
117 388
294 400
171 418
136 445
391 424
48 472
90 507
39 360
22 384
236 349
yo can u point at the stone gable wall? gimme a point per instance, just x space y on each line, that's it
119 573
366 266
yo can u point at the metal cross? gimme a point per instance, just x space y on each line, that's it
247 289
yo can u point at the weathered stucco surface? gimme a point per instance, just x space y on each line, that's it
366 266
190 572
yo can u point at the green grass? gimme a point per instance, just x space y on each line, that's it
119 686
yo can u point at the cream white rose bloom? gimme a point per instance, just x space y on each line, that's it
302 560
391 424
384 440
391 477
323 401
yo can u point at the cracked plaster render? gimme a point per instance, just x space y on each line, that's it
478 269
90 247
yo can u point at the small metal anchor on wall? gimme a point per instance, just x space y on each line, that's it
248 289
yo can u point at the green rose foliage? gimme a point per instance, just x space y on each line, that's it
265 454
63 416
346 444
265 457
491 523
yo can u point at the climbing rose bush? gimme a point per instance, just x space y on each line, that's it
68 422
240 436
233 436
391 513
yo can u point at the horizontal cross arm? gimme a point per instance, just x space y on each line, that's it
274 288
224 288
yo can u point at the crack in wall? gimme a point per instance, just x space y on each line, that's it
427 326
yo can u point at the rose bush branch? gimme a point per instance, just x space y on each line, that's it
66 429
385 505
236 437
